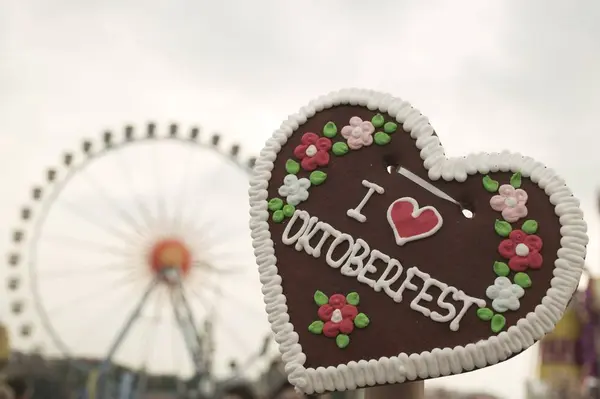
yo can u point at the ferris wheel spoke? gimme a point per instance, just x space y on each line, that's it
222 271
161 203
85 271
203 211
91 330
123 213
87 245
84 299
225 245
181 191
142 206
201 231
219 291
238 339
206 241
84 215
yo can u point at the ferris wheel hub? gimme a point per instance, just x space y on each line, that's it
170 255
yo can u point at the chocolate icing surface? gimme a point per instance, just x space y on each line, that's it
460 254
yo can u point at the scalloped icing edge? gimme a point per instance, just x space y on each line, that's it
439 362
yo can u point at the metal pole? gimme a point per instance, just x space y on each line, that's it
126 386
106 364
142 385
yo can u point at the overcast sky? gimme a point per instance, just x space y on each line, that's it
514 74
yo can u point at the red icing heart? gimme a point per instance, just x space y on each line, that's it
410 222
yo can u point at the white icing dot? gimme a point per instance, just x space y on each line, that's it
510 202
522 250
311 151
357 132
336 317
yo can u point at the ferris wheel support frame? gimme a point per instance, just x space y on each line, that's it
107 363
187 325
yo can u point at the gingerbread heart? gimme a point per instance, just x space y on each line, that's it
372 273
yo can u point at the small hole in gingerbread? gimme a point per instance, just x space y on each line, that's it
391 164
467 209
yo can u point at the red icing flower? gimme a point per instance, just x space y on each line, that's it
522 251
313 151
338 316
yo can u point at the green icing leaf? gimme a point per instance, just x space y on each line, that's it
502 228
317 177
340 148
320 298
490 184
288 210
275 204
515 180
530 226
523 280
485 314
382 138
330 129
342 341
361 320
353 298
390 127
316 327
378 120
292 167
501 269
278 216
498 322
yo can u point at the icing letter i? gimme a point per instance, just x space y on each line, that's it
355 212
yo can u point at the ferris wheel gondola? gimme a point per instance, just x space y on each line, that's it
154 223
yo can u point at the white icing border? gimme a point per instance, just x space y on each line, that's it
440 361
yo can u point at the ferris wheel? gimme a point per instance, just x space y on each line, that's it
136 250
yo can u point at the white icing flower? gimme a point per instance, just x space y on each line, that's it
504 294
294 190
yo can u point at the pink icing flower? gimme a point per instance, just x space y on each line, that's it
511 202
338 316
359 133
522 251
313 151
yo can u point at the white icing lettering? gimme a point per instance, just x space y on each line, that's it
302 242
305 239
371 268
406 284
422 295
384 282
468 302
356 258
339 239
435 316
302 215
355 212
359 259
